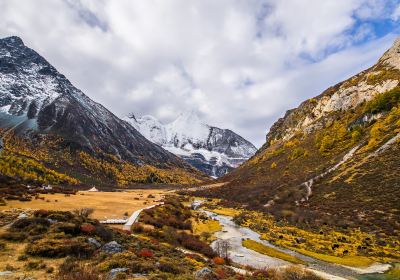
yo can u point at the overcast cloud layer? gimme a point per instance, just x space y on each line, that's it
239 63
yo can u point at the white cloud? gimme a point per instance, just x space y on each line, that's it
239 63
396 13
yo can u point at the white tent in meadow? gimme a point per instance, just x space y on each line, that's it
93 190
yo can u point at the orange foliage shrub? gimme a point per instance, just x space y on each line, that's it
88 228
218 260
145 253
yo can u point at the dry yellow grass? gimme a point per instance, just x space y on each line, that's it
9 259
107 205
226 211
262 249
355 261
209 227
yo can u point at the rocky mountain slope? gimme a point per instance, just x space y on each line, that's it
43 110
334 159
212 150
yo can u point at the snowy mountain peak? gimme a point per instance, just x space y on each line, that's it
149 127
28 82
13 41
188 117
213 150
187 128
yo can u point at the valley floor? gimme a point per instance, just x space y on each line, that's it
211 224
106 205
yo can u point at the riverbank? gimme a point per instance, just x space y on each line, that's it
235 235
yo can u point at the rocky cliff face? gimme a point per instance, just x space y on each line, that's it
36 99
348 95
334 158
212 150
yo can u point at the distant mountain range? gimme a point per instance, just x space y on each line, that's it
210 149
59 127
334 159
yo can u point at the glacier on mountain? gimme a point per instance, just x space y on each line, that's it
212 150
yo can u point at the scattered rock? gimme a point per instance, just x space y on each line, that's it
112 247
93 241
300 240
205 274
138 275
114 272
22 216
381 242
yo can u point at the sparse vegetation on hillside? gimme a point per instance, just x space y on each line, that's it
124 173
384 102
382 75
272 181
46 160
31 171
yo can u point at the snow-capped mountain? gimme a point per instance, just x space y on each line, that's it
34 96
212 150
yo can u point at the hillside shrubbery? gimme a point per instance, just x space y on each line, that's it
172 221
49 235
46 159
125 173
384 102
31 171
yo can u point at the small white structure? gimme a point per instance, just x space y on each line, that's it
48 187
93 190
114 221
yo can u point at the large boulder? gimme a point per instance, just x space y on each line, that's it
93 241
205 274
112 247
115 271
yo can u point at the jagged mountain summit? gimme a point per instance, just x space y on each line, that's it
212 150
37 100
334 159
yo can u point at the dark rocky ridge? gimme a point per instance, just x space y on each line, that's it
34 96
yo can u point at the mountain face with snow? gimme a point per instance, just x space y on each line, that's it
212 150
333 160
35 99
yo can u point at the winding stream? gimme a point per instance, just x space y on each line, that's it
234 234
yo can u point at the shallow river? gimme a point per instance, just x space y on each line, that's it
234 234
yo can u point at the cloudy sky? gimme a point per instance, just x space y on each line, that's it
239 63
